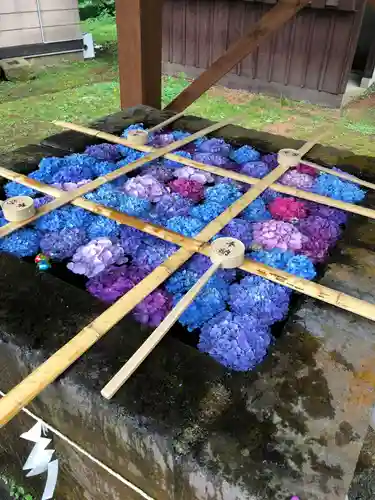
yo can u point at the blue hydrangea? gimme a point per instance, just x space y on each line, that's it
266 301
223 193
338 189
235 341
131 157
171 205
3 221
132 239
200 263
208 303
269 195
256 211
174 164
181 282
257 169
134 126
104 167
206 212
244 154
102 227
66 217
21 243
106 195
239 229
178 135
48 167
135 206
14 189
299 265
187 226
105 151
151 256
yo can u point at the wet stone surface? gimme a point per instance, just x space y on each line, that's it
183 427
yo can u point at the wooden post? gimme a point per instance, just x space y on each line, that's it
268 24
139 32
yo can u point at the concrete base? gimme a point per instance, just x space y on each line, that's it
17 69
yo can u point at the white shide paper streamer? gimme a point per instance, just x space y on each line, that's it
78 448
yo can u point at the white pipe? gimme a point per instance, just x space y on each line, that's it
39 12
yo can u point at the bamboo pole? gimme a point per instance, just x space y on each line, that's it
280 188
53 367
69 197
166 122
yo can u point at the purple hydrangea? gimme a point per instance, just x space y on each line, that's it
266 301
315 250
70 186
145 187
319 228
158 172
161 140
97 255
277 234
334 214
39 202
151 256
270 160
194 174
216 146
105 151
240 229
171 205
60 245
236 341
175 164
132 239
211 159
257 169
298 180
200 264
153 309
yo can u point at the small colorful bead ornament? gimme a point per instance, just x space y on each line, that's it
42 262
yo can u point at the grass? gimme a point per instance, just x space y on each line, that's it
86 90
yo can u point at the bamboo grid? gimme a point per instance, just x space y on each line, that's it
32 385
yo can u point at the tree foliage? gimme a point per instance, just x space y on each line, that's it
96 8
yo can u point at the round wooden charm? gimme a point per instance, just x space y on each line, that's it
289 157
228 252
18 208
139 137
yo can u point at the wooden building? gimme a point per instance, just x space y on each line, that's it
309 58
32 28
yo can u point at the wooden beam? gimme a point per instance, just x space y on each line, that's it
139 32
268 24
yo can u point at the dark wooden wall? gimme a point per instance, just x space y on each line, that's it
309 59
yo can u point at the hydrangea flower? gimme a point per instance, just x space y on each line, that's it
132 239
299 265
97 255
153 309
334 214
269 195
70 186
266 301
178 135
175 164
66 217
206 211
102 227
60 245
130 156
151 256
106 195
319 228
315 250
270 160
214 145
192 190
187 226
105 151
244 154
200 264
181 282
161 140
21 243
211 159
306 169
277 234
135 206
101 168
145 187
207 304
256 211
298 180
114 282
130 128
288 209
236 341
171 205
223 193
257 169
158 172
39 202
338 189
194 174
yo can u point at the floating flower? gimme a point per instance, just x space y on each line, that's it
66 217
211 159
299 265
315 250
70 186
270 160
150 256
132 205
236 341
288 209
223 193
240 229
187 226
95 256
206 211
105 151
269 195
132 239
161 140
319 228
102 227
266 301
39 202
171 205
334 214
338 189
208 303
158 172
298 180
217 146
256 211
192 190
131 128
114 282
244 154
106 195
277 234
21 243
306 169
178 135
194 174
153 309
255 169
145 187
60 245
200 264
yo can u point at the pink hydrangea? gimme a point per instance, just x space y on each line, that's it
146 187
277 234
194 174
297 179
189 189
288 209
306 169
